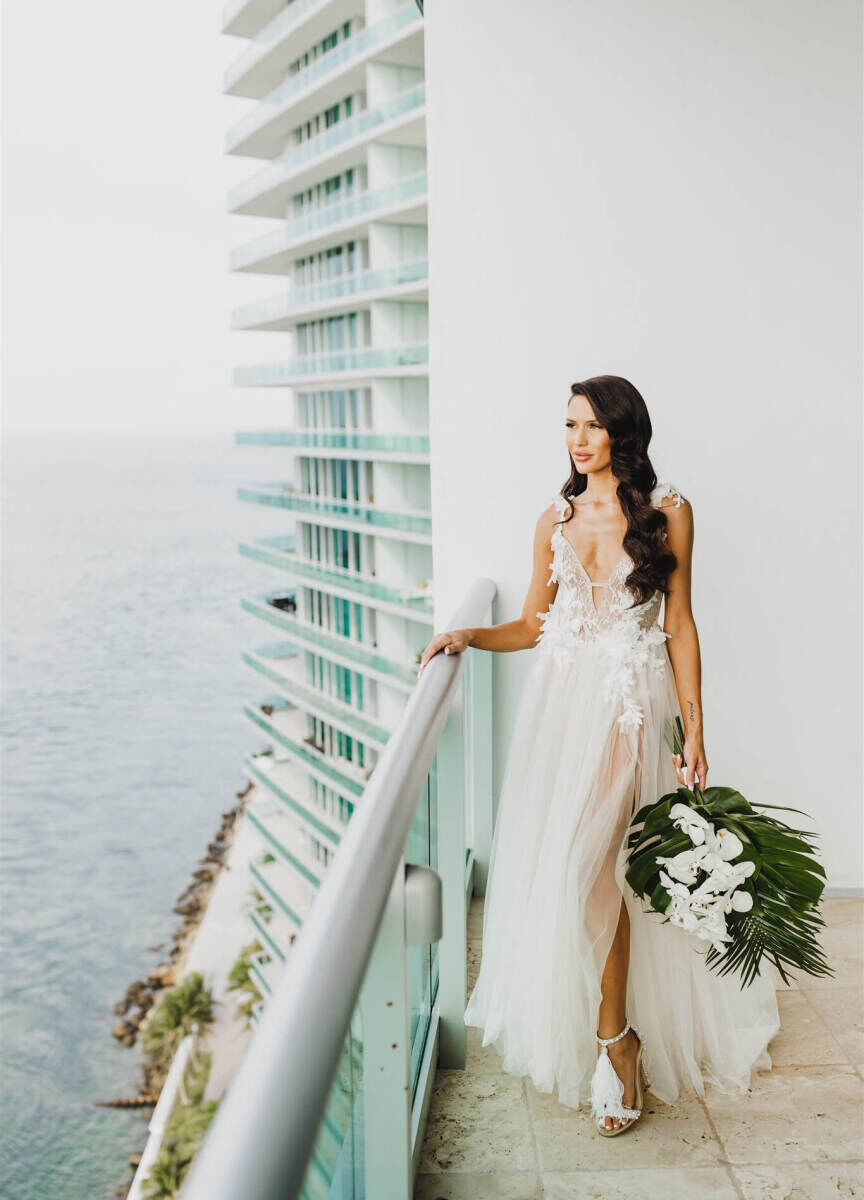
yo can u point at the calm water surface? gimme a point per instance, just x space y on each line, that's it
122 742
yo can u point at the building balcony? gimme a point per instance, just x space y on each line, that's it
378 983
272 929
268 192
333 223
348 720
264 971
246 18
284 839
408 281
288 782
339 368
412 603
413 526
398 39
281 888
336 648
286 729
281 32
337 443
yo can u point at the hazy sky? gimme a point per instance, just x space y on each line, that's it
116 291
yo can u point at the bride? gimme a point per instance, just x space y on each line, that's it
568 949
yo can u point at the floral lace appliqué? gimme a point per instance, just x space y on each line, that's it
627 635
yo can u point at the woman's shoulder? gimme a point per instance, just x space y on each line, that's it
664 495
667 495
555 508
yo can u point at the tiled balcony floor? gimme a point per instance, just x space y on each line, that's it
797 1135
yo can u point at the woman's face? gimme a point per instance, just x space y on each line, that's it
587 440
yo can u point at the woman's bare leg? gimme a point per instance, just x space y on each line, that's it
613 1013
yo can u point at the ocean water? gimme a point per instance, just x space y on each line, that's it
122 744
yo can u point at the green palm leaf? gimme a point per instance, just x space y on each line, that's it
786 885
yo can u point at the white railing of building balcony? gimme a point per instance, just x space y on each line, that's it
281 25
307 1114
351 50
407 103
327 215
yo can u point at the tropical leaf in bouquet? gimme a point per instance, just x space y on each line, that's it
785 885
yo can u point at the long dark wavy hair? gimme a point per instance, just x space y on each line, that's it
620 409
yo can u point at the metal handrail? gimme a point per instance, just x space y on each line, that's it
261 1139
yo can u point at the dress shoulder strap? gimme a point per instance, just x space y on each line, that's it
560 503
664 489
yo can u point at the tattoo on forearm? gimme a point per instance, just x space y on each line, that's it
692 708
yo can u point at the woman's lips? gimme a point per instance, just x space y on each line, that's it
582 457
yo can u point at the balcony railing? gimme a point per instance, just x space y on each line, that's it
273 31
333 1090
414 444
361 285
352 50
317 220
415 604
334 646
281 888
311 699
336 136
344 513
362 360
261 924
322 767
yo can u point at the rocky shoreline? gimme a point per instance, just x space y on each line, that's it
142 994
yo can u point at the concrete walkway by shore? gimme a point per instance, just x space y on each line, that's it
222 934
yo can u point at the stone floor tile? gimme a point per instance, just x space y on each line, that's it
472 965
477 1123
801 1181
780 985
666 1136
480 1059
838 910
453 1185
842 1010
844 949
793 1114
475 919
804 1038
655 1183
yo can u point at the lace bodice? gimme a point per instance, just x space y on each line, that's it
604 613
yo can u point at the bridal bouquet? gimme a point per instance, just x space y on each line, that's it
743 881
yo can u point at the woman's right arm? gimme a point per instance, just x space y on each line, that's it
522 633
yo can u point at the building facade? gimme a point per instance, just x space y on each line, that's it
336 139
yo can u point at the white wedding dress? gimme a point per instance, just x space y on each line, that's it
587 752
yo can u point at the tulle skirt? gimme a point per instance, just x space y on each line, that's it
572 782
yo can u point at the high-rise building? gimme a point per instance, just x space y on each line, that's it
337 115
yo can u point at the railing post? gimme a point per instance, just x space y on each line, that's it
479 732
385 1020
452 856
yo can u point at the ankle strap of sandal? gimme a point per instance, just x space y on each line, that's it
604 1042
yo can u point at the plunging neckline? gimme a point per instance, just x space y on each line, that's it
594 582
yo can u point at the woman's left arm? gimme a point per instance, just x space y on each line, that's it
683 645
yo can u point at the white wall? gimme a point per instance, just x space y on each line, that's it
666 190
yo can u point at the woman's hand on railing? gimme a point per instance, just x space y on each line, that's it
452 642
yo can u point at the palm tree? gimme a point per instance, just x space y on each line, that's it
182 1010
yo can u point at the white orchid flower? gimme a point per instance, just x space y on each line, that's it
676 890
690 822
683 866
729 844
683 918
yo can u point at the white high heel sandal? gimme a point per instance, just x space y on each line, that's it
607 1089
